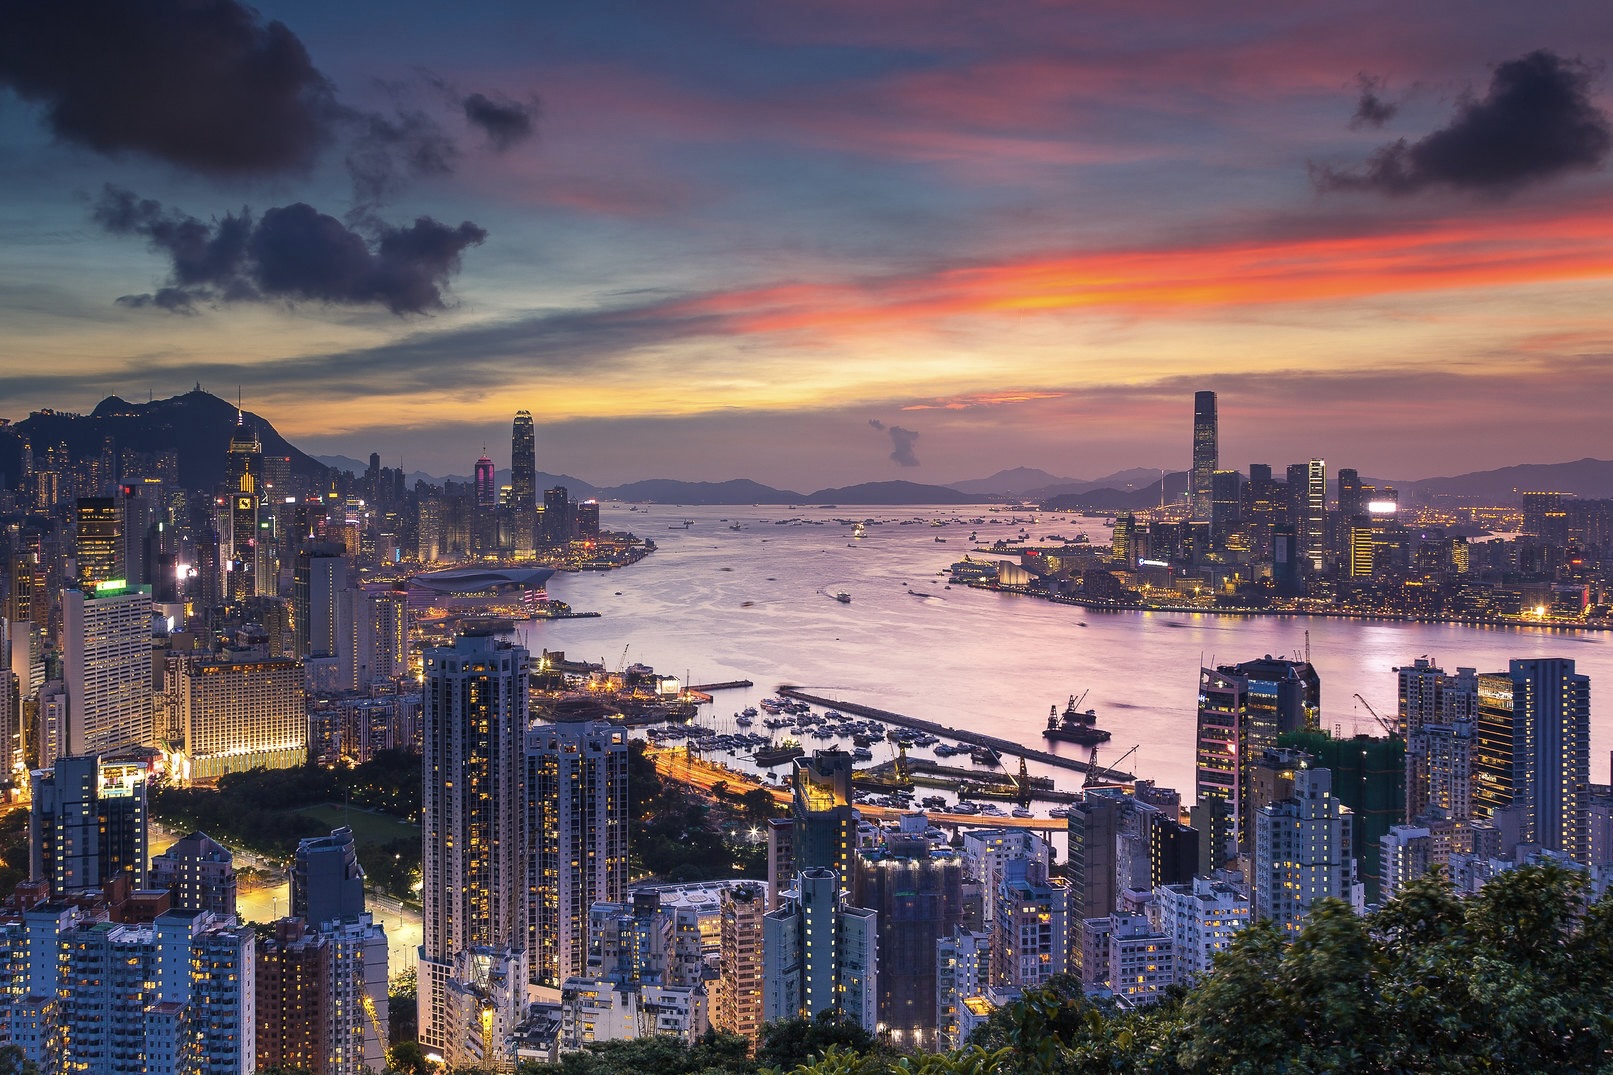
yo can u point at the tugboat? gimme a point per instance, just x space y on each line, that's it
1074 725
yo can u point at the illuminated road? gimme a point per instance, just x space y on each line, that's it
674 763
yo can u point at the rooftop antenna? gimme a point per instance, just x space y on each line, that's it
238 419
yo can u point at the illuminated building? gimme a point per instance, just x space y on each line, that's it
88 823
576 824
1537 506
1314 535
1030 938
915 890
1205 455
108 667
319 577
199 872
1533 751
243 714
559 516
825 821
588 519
962 971
98 539
1302 852
1438 716
1226 499
1125 955
1123 541
737 993
820 954
248 568
1218 779
987 851
473 962
1200 917
523 484
293 998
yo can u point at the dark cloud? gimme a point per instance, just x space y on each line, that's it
387 151
504 122
902 441
293 253
1536 122
875 423
1372 109
203 84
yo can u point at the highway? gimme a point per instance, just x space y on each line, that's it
674 763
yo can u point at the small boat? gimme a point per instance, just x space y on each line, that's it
1021 811
863 754
985 756
843 597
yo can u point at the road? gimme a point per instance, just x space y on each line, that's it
674 763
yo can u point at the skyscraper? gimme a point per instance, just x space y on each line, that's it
1302 852
88 824
916 891
523 484
1315 533
199 872
243 714
576 824
98 539
820 954
108 667
473 975
1533 750
1205 455
327 883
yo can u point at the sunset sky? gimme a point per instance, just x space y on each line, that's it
822 243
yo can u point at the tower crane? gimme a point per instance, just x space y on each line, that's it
1092 765
1392 731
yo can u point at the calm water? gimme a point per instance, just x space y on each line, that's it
757 603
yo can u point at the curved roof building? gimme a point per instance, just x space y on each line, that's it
481 581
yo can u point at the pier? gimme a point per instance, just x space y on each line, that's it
727 685
979 739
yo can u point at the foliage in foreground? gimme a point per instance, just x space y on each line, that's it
1517 979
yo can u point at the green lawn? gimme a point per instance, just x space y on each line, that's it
369 830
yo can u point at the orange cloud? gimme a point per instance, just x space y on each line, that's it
1446 255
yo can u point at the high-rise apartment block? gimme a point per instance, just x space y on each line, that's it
199 872
1533 751
737 993
1438 715
576 824
88 823
473 957
1030 941
1302 852
820 954
107 670
915 890
962 974
1200 917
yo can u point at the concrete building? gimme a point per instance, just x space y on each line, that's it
962 971
327 883
985 854
107 670
1030 936
1533 751
737 993
88 823
820 954
916 892
596 1010
1201 918
473 957
1302 852
575 817
199 872
243 714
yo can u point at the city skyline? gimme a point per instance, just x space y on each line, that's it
839 244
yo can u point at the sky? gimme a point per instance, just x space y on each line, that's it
819 243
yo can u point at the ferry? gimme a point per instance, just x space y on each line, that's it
787 751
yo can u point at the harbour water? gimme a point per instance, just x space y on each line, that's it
758 602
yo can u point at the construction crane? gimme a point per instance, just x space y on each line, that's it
1390 729
1092 765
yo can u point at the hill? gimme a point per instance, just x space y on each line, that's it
1110 499
1587 478
735 491
895 492
197 426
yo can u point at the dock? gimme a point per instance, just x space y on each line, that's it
979 739
728 685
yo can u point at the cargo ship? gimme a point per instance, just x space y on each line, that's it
1074 725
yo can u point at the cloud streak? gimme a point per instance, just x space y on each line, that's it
1537 122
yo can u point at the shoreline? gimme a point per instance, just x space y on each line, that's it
1092 605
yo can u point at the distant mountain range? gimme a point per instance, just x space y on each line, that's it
576 487
198 426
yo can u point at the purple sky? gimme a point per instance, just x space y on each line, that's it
822 243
